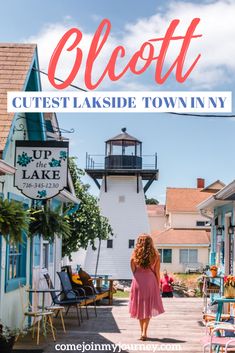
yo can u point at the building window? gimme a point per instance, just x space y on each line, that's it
121 198
45 254
131 243
109 243
15 260
36 250
16 265
16 256
188 256
165 256
51 253
200 224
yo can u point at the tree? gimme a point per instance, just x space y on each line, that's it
87 223
151 201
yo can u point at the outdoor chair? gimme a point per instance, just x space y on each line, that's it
36 315
90 291
101 291
69 294
209 318
57 301
214 341
55 308
104 288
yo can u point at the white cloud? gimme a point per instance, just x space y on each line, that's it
47 40
217 46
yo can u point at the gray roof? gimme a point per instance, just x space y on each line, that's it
124 136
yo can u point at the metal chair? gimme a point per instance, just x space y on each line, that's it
63 302
71 294
90 291
214 341
56 308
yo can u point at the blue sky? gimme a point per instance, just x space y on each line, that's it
187 147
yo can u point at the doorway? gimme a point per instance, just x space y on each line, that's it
229 246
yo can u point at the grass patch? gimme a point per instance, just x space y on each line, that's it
121 294
189 279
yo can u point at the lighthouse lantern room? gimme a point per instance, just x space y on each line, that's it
120 177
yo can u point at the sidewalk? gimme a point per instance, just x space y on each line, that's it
179 326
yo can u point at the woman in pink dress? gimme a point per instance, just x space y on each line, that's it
145 299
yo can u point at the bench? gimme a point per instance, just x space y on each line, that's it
103 286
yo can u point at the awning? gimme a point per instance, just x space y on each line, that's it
227 193
6 168
67 196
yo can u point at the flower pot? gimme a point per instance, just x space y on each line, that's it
214 273
229 292
6 346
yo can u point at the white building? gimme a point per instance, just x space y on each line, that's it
156 217
184 244
122 201
24 263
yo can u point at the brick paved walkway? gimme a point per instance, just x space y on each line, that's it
180 325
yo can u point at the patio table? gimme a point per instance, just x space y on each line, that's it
43 291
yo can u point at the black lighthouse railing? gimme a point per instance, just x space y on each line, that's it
112 162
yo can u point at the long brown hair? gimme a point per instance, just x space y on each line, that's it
144 253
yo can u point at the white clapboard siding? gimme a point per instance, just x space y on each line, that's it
127 214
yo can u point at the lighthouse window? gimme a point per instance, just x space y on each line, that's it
109 243
131 243
121 198
200 224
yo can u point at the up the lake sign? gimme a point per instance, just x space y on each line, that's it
41 168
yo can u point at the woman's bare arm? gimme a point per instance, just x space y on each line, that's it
157 269
133 267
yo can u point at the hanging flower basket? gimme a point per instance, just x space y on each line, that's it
13 220
229 287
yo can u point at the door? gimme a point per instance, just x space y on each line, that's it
229 246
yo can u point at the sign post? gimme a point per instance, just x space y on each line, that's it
41 168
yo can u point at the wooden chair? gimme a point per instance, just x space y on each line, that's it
36 315
105 291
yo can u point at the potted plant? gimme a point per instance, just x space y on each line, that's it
8 337
14 220
229 286
214 270
48 223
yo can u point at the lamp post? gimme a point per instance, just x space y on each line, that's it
231 229
219 230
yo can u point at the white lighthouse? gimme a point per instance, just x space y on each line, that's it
122 201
